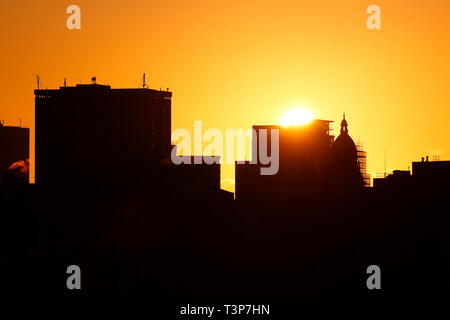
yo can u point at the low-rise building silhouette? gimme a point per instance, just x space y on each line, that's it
14 154
426 177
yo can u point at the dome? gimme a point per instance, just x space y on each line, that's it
346 173
344 147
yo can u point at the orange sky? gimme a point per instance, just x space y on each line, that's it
236 63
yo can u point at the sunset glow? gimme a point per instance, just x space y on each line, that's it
234 64
296 117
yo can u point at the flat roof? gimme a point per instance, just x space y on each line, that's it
85 87
280 126
445 162
12 127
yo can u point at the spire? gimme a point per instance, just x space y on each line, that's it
344 126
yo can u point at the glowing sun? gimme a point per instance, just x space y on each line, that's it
296 117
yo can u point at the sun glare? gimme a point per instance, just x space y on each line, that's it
296 117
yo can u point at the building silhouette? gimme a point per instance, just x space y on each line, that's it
345 163
14 154
312 165
427 177
109 199
399 179
91 136
432 175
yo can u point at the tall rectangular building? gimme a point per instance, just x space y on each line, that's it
92 134
304 158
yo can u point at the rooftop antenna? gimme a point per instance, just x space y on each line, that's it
38 80
65 82
385 163
20 122
94 80
144 85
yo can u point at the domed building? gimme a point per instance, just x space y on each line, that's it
344 153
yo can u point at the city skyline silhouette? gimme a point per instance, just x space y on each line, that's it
239 62
200 154
309 231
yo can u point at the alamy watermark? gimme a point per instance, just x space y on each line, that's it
74 20
374 20
262 145
74 280
374 280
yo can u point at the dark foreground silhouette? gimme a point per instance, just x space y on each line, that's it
108 199
187 246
